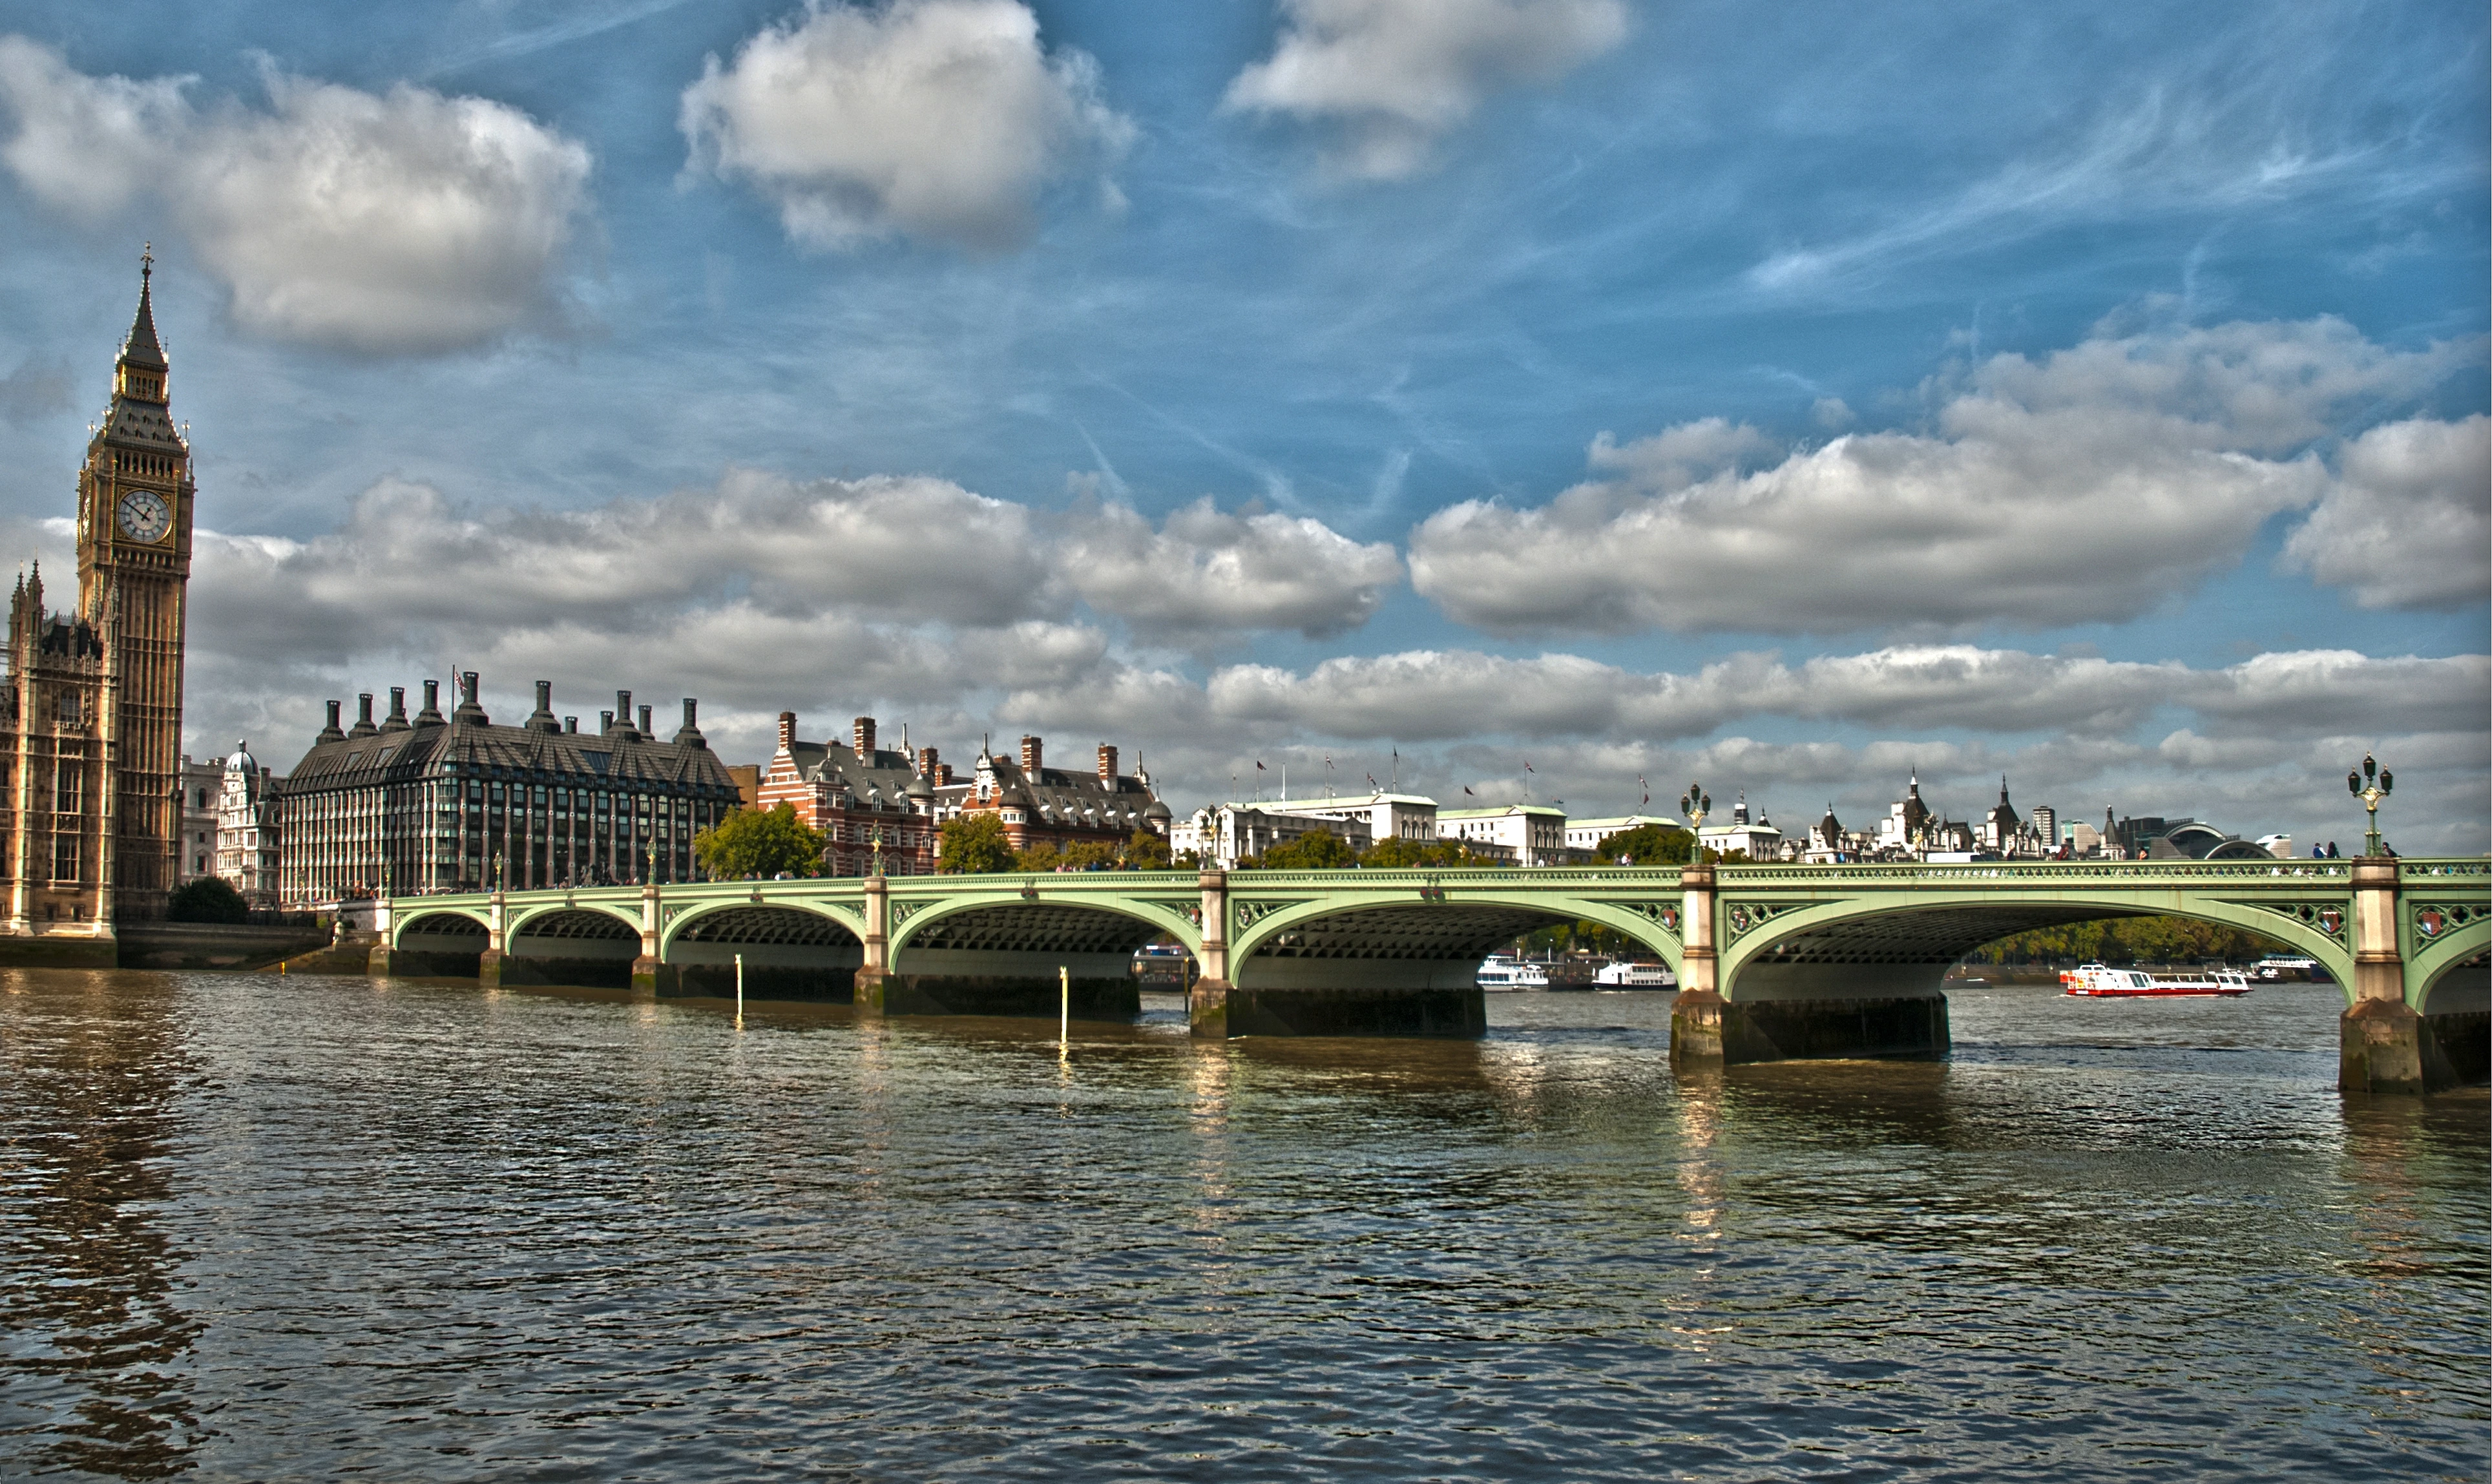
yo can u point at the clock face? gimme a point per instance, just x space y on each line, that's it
143 516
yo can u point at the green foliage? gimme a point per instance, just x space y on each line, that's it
1094 854
760 843
1649 844
1042 856
209 898
2129 941
1411 854
1146 851
974 844
1314 851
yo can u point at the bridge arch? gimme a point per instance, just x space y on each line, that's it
590 945
792 949
439 943
1462 926
1001 951
1872 945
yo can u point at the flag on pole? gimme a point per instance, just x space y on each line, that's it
1467 789
1259 766
1526 765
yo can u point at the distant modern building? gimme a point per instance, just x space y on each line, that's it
455 803
249 832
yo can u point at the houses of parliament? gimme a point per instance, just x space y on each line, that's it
91 721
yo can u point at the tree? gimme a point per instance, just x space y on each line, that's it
1042 856
1650 845
1314 851
1407 855
974 844
1093 855
1146 851
209 898
760 843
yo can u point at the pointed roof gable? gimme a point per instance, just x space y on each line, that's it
141 348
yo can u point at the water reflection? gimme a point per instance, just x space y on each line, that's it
99 1341
443 1234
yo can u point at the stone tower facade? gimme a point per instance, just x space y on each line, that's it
136 498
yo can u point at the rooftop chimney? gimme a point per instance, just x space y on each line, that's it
362 726
644 722
431 715
395 721
1031 752
469 710
786 731
926 760
604 723
1107 765
862 732
542 717
330 732
691 735
623 710
570 725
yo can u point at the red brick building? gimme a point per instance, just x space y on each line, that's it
852 794
1055 806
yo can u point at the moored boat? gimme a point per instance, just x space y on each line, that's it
1625 974
1501 973
2097 981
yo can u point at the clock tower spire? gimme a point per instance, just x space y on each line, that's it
133 550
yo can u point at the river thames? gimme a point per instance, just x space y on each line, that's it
261 1227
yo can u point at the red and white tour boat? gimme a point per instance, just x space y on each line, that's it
2101 982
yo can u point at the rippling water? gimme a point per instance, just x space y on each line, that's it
257 1228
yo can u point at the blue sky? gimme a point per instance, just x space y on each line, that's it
2095 397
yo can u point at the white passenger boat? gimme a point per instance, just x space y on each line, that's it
1625 975
2098 982
1502 973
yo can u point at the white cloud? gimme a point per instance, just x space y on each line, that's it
905 549
2409 522
1441 695
1206 571
943 119
2086 486
1394 76
401 221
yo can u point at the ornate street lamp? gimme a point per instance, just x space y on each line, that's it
2371 785
1695 803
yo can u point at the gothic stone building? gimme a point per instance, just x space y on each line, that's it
434 803
92 724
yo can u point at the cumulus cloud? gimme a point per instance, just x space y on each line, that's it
761 572
1203 570
1440 696
399 222
943 119
2409 519
1392 77
2086 485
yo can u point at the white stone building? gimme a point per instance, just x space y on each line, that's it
247 842
1536 833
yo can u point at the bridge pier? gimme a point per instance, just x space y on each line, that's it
651 975
1696 1016
1206 1001
2384 1044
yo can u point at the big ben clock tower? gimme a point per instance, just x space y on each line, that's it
134 552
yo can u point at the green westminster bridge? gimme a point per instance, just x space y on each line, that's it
1774 962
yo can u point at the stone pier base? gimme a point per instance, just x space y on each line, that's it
1459 1013
2385 1046
652 977
1708 1030
1206 1009
1020 995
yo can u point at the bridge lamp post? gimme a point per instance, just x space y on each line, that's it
1696 804
2371 785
